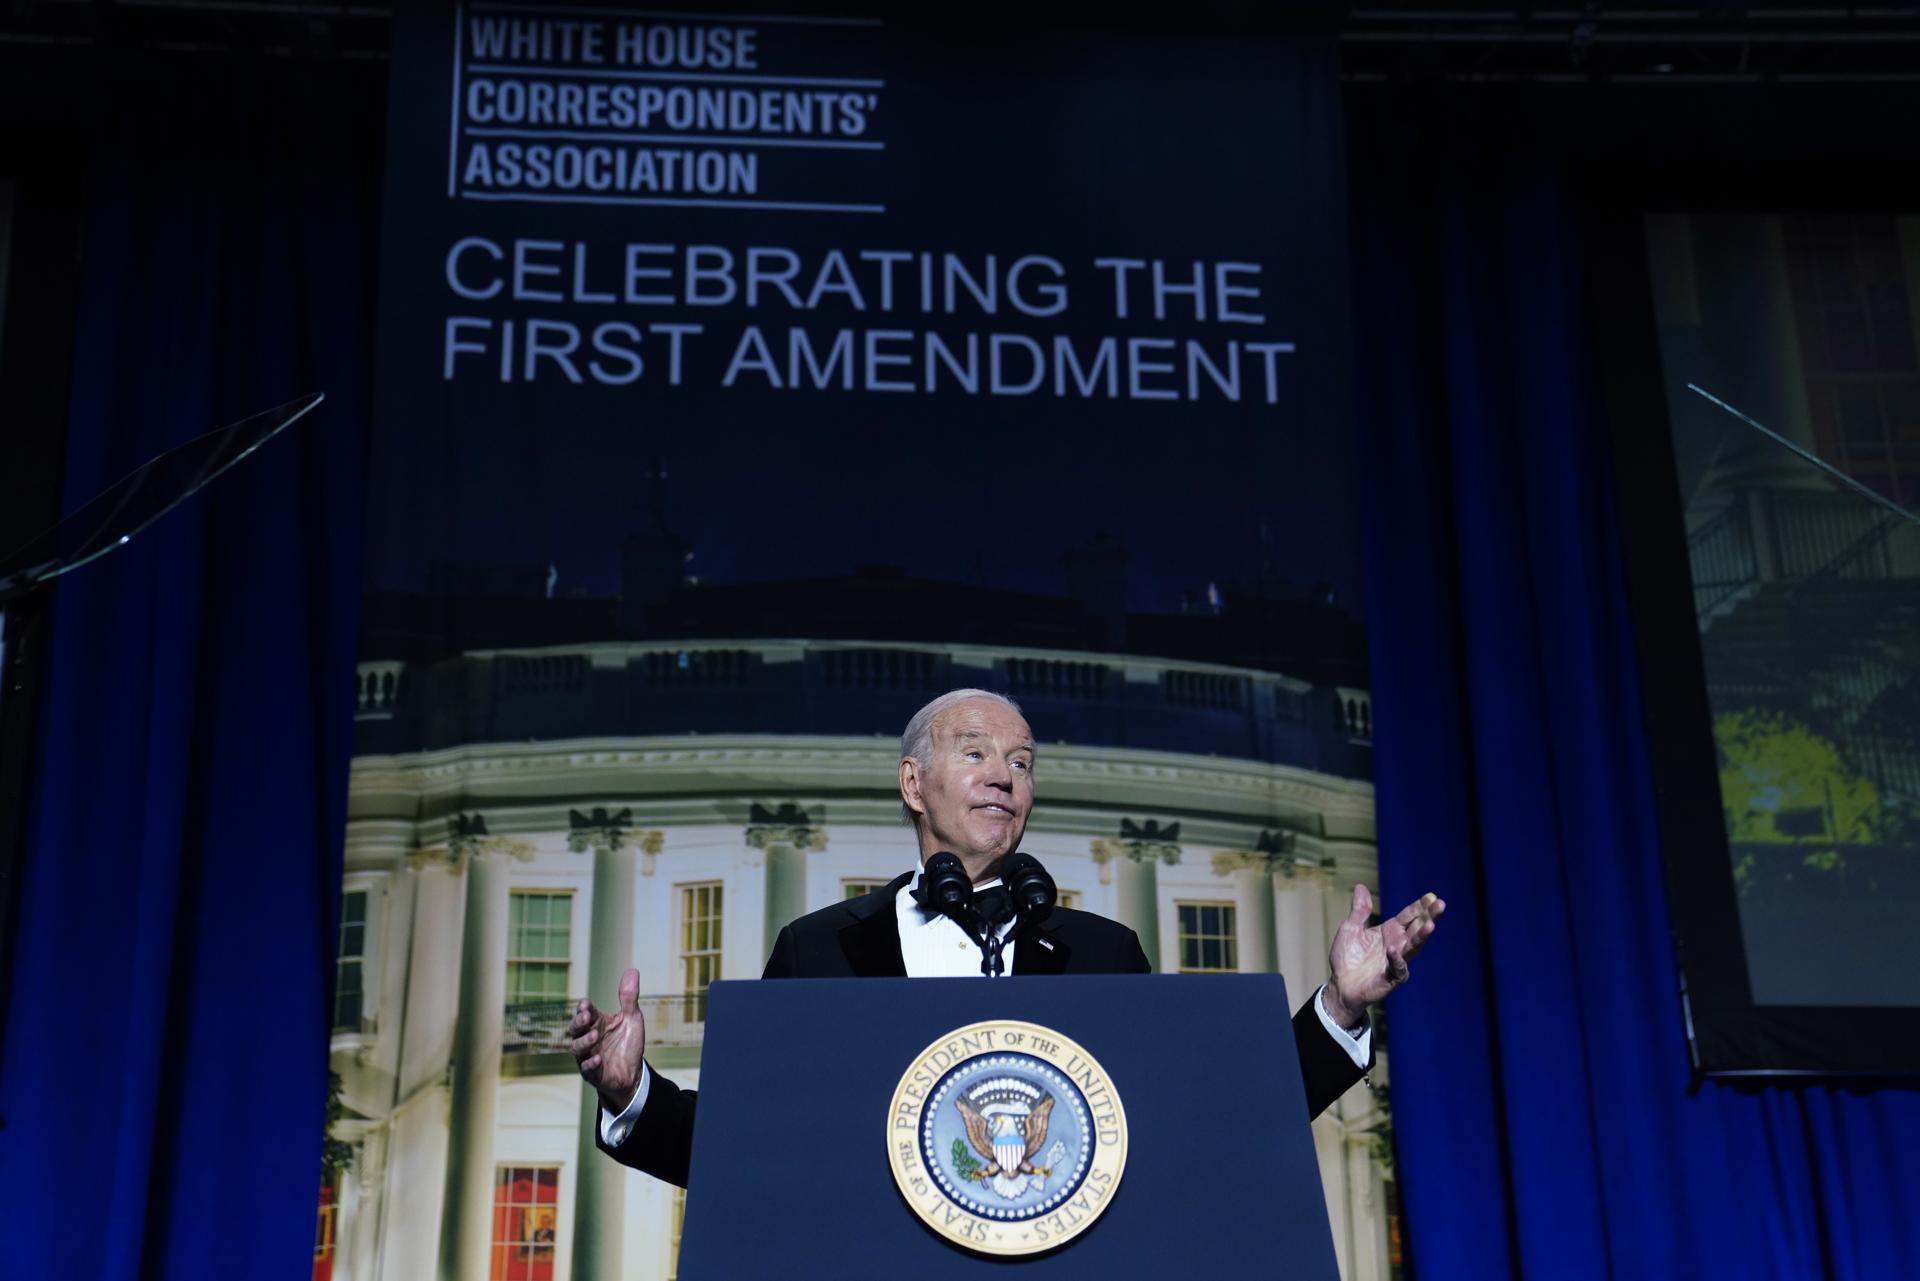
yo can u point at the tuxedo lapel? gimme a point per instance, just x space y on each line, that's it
1038 950
872 941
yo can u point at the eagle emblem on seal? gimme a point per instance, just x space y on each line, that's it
1006 1121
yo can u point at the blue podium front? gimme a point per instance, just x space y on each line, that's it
1097 1125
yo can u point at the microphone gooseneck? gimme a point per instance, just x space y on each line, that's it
994 907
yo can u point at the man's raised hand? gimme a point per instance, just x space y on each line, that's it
610 1047
1370 961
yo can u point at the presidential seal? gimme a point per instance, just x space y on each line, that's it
1006 1138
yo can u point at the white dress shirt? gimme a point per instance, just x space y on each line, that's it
934 946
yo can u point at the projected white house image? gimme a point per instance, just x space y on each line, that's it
489 885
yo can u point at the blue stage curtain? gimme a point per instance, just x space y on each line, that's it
1541 1117
166 1044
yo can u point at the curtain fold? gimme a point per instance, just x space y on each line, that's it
165 1076
1541 1116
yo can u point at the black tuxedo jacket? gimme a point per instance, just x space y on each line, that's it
861 939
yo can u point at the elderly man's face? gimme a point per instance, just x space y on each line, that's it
975 790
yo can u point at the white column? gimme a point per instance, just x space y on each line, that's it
786 891
357 1255
394 962
1254 888
429 995
416 1185
1301 938
348 1214
1366 1242
1300 932
467 1219
1136 895
598 1205
420 1023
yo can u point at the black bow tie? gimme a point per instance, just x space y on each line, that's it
995 903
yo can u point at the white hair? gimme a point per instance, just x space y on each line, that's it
916 740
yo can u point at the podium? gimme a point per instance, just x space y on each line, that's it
814 1092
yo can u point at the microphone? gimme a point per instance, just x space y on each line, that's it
1026 889
945 886
1034 892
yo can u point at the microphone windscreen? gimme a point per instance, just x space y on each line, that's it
944 883
1033 889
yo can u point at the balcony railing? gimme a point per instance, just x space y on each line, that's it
1353 708
376 689
834 687
1725 569
540 1027
879 668
1808 540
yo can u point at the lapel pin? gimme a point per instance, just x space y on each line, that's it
1044 943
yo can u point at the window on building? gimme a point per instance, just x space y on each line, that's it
526 1216
1859 347
539 946
325 1232
1208 940
700 912
673 1237
349 990
859 889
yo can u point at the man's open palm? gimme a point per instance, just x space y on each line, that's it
1370 961
609 1047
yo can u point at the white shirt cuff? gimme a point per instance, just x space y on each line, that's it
615 1129
1358 1045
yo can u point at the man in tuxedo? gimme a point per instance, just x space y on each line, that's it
966 786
